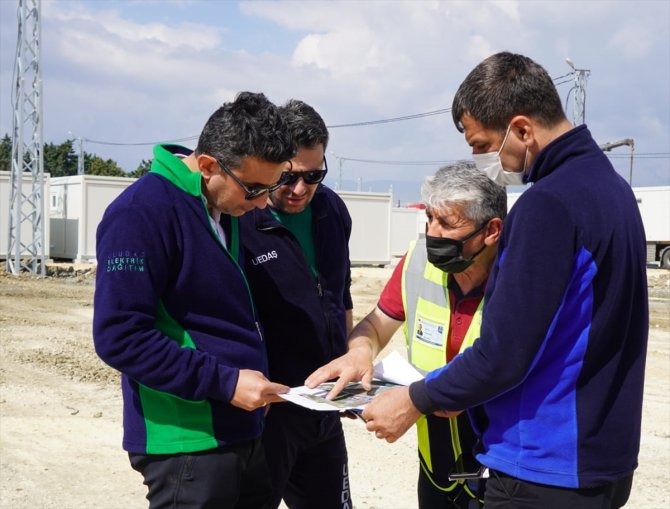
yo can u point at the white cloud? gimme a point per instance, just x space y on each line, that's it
123 78
194 36
632 41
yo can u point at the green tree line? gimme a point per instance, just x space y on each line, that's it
61 161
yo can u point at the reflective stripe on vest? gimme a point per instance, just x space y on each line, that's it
427 318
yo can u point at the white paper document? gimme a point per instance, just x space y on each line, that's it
392 371
395 368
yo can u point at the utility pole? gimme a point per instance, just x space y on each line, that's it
579 104
80 157
606 147
340 161
80 153
26 208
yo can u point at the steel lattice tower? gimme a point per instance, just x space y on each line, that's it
26 181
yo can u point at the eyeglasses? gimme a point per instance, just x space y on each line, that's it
253 192
289 178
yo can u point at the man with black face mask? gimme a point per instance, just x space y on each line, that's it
437 292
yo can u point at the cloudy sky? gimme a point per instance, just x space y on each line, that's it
133 72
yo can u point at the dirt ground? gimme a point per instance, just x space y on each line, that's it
60 407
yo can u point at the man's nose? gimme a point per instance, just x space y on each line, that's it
299 187
434 229
260 202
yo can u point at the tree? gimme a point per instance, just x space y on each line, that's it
6 153
94 165
143 168
60 160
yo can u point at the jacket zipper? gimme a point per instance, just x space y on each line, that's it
244 277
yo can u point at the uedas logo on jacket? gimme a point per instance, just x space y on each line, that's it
266 257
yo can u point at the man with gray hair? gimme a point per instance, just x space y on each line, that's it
437 292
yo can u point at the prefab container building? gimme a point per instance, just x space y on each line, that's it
370 242
76 207
77 203
407 224
26 230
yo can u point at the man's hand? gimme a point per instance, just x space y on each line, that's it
353 366
390 414
253 390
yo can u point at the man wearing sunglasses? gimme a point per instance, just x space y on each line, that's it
297 260
173 311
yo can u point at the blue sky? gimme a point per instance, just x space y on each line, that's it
139 71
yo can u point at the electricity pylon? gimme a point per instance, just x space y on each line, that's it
26 180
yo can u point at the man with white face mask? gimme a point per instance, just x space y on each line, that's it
491 164
555 381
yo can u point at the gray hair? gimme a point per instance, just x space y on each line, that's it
463 185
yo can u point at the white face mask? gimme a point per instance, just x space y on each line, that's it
491 164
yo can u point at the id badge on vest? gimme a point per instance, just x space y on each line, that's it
429 332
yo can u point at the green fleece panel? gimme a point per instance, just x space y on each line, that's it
175 425
175 171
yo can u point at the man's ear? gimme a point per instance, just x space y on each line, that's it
524 129
493 230
207 166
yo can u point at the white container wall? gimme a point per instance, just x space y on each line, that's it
654 203
407 224
77 204
26 230
370 242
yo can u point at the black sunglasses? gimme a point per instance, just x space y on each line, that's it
253 192
289 178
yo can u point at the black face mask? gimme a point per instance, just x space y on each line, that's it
447 254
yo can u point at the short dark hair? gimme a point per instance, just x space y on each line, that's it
505 85
306 125
250 126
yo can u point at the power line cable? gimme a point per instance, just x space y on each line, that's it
175 140
393 119
398 163
563 82
336 126
561 77
642 155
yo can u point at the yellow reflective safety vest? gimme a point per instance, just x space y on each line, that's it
427 319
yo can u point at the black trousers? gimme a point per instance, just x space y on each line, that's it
431 497
307 458
506 492
230 477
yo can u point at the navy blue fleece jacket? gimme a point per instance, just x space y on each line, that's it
558 371
173 313
304 319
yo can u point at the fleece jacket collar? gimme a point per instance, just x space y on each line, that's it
168 165
576 141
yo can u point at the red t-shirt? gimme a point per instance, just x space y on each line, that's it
463 307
